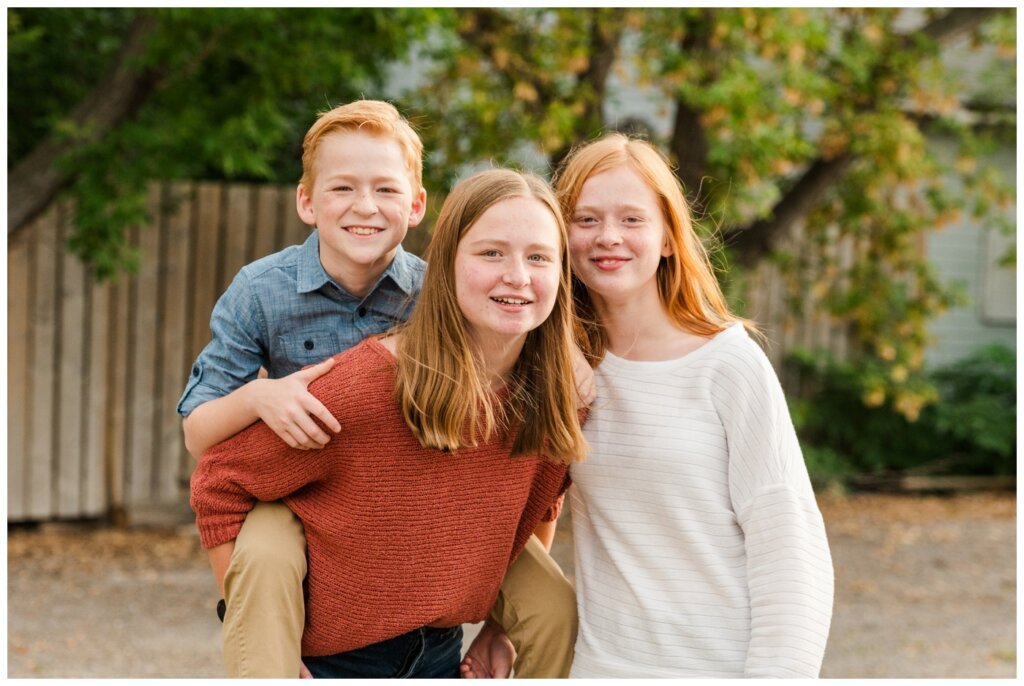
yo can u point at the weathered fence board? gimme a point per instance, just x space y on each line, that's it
174 279
239 223
142 391
70 344
43 338
118 381
96 479
268 228
18 390
207 231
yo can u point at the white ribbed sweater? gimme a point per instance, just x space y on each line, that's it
700 549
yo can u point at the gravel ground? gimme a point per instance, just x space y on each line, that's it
925 587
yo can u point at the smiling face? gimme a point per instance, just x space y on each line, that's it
617 236
362 202
507 271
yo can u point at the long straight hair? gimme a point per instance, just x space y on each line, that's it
687 287
443 393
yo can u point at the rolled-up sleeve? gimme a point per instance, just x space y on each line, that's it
236 351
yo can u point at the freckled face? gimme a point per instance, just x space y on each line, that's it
507 270
617 235
361 201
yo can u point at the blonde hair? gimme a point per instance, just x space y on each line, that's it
372 116
444 397
687 285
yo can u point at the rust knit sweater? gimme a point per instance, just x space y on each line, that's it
398 536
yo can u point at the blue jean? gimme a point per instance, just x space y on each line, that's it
423 653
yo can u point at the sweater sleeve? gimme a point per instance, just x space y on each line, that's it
789 567
555 510
255 464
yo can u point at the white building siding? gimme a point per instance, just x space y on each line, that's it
968 252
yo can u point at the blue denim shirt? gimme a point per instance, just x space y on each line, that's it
284 312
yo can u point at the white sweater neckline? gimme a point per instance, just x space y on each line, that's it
613 361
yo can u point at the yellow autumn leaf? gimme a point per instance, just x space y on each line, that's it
966 164
873 33
500 57
796 53
525 92
898 373
874 398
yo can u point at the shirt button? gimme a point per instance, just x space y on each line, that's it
362 311
195 371
308 345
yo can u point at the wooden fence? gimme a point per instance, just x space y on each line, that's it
95 370
787 327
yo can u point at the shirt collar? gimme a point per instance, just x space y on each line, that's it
311 274
401 271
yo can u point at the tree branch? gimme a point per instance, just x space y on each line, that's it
751 243
605 32
592 80
755 242
485 32
957 22
689 144
690 148
35 180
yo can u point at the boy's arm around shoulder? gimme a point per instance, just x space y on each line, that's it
224 395
285 405
255 465
233 357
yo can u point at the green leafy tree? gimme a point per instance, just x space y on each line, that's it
101 101
779 118
818 118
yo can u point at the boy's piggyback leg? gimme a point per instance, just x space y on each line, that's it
537 608
266 611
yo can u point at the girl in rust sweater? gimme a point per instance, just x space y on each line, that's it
457 431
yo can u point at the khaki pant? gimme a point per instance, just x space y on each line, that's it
537 607
266 608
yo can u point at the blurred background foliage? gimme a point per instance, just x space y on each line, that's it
821 118
968 425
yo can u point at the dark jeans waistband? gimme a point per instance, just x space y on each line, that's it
423 653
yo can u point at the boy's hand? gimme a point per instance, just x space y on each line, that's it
491 654
288 407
